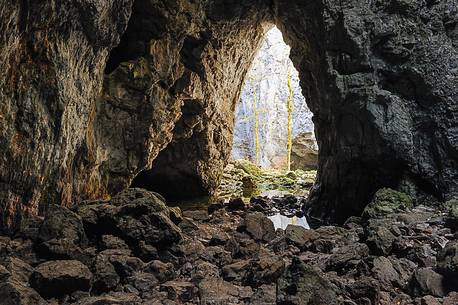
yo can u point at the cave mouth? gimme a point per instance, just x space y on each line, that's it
273 134
273 125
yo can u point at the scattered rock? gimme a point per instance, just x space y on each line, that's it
299 235
236 204
58 278
259 226
447 262
14 293
426 281
179 290
302 284
265 269
61 223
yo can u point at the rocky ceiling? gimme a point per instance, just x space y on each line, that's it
93 92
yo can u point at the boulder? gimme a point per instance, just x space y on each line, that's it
124 264
452 221
425 281
236 204
304 153
162 271
385 202
16 269
112 242
61 223
258 226
235 271
380 239
135 215
218 291
264 295
301 284
346 258
300 236
179 291
63 249
14 293
447 262
142 281
105 276
58 278
265 269
451 299
116 298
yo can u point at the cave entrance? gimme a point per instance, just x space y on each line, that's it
272 146
274 151
273 125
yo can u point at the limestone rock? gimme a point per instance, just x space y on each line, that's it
304 154
15 293
61 223
385 202
427 281
57 278
136 215
301 284
259 226
448 262
299 235
96 92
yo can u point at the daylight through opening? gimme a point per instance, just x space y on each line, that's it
274 127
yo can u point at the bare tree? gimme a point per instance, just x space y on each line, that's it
290 121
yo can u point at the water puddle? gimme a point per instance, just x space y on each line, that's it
281 221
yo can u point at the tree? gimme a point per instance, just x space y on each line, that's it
290 121
256 120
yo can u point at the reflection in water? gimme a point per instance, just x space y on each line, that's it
282 222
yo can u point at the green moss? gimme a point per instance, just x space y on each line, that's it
387 201
452 206
242 178
248 167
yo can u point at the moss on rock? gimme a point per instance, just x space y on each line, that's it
387 201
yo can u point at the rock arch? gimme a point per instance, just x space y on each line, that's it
379 76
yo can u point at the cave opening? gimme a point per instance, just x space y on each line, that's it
272 150
273 125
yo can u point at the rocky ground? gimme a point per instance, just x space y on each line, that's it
134 249
241 178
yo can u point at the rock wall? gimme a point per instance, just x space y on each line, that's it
52 57
79 119
380 79
267 79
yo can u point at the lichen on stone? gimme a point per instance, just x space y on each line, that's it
387 201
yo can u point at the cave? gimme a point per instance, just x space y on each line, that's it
260 128
158 83
107 107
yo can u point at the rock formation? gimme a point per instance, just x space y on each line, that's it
95 92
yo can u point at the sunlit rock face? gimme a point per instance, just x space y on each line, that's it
266 85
